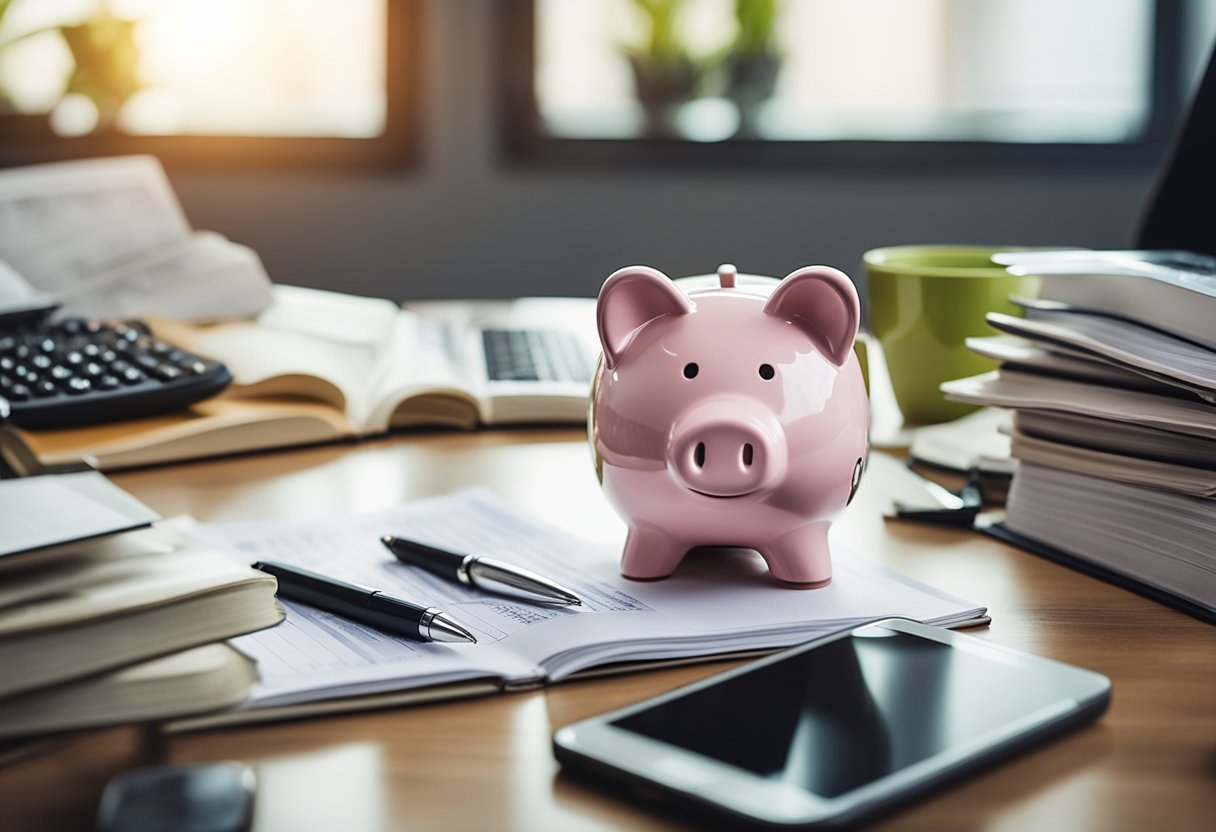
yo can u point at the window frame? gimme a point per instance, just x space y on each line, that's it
29 139
524 144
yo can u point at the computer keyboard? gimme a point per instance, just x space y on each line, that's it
534 355
78 372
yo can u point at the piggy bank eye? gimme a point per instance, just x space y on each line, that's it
691 370
767 371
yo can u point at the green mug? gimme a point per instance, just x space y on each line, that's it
923 302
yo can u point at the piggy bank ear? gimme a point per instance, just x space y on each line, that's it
631 298
822 302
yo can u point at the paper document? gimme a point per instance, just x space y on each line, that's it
718 602
108 238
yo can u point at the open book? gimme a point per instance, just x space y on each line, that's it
718 602
321 366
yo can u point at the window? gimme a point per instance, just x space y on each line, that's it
291 80
761 74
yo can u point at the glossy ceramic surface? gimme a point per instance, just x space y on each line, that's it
730 414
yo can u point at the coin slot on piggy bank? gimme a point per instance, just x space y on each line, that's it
729 412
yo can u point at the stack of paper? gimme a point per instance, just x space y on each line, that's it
88 607
1114 425
107 238
717 602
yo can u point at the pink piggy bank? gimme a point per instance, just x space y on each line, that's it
731 415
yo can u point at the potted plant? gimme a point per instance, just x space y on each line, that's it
665 74
753 60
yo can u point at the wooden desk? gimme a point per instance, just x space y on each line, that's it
485 764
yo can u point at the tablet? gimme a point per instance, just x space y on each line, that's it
840 729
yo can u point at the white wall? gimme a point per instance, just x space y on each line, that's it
468 223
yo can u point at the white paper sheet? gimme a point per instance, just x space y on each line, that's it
720 601
108 238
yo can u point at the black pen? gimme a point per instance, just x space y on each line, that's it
480 573
365 605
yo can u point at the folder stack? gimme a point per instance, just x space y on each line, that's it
104 619
1112 379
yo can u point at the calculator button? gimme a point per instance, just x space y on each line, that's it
131 375
45 388
42 362
60 372
78 385
17 393
165 372
108 382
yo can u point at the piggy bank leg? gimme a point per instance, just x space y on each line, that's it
650 554
800 556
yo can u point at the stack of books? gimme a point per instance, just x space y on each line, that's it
1111 377
105 620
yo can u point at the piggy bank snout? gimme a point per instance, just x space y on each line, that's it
724 449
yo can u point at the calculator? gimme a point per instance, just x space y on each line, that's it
76 371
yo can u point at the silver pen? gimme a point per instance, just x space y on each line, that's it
480 573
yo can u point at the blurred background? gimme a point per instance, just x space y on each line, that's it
495 148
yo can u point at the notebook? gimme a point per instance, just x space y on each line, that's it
719 602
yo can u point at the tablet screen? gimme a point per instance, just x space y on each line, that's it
850 711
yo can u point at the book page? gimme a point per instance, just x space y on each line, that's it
309 343
1018 390
711 606
1130 345
427 357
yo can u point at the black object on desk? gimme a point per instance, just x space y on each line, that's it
206 797
480 573
77 372
365 605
